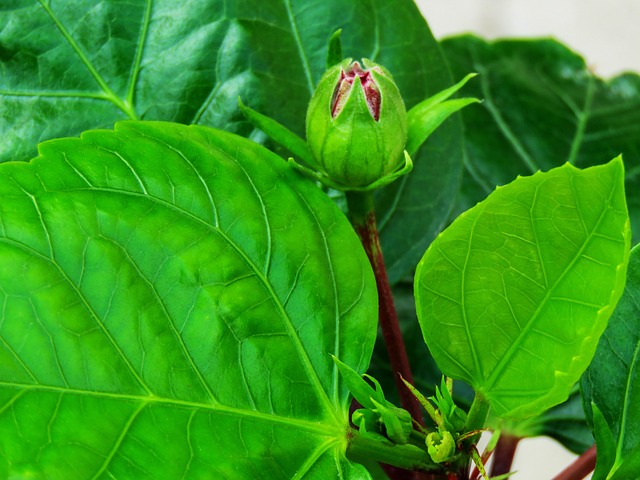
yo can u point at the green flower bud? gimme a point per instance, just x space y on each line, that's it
357 124
366 420
441 446
397 422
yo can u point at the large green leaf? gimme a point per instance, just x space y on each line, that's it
514 295
612 384
542 107
66 67
170 299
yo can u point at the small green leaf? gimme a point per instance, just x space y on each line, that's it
429 114
514 295
367 421
477 460
453 417
606 457
170 297
611 384
397 422
279 134
334 52
358 387
426 404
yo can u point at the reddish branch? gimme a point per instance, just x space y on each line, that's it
368 233
363 219
503 454
581 467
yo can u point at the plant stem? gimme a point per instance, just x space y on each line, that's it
581 467
363 219
407 456
478 413
503 454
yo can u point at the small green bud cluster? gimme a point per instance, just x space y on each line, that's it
378 416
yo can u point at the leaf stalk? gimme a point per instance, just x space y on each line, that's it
478 414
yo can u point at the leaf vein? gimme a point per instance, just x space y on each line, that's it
513 348
84 302
306 361
306 68
311 426
170 321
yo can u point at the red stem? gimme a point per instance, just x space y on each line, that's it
388 317
363 219
503 454
581 467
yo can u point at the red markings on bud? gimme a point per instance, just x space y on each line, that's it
345 84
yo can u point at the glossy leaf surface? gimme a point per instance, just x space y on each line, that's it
514 295
564 422
542 106
170 299
70 66
612 384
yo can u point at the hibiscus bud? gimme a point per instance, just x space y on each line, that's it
441 446
357 124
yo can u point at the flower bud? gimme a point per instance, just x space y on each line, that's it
441 446
357 124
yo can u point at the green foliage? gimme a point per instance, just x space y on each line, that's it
378 416
611 385
565 423
170 296
84 66
542 106
425 117
514 295
135 333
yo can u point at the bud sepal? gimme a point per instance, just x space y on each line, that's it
327 181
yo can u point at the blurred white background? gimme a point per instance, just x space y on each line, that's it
606 34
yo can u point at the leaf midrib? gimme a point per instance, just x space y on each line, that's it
503 126
327 428
583 118
298 41
110 95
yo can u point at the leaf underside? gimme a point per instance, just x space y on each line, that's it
612 384
514 295
169 300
